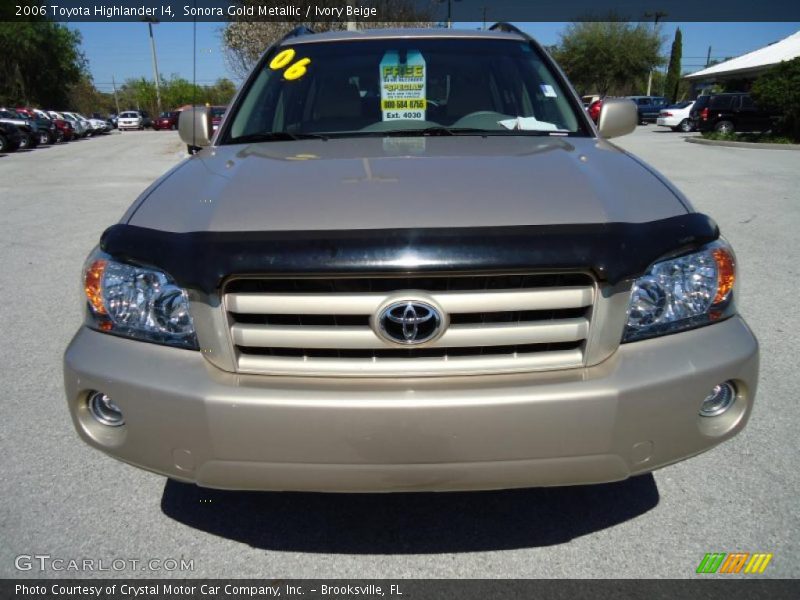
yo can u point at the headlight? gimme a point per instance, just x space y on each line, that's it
137 302
682 293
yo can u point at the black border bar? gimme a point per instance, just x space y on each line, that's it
475 11
730 587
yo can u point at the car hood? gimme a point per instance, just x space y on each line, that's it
408 182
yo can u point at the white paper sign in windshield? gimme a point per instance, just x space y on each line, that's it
403 87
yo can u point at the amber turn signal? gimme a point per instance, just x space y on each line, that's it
726 274
93 285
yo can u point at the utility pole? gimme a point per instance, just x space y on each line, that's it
114 86
449 11
484 18
656 18
150 22
708 57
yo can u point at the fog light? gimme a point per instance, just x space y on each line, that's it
104 410
719 400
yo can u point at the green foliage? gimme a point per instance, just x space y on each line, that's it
608 57
779 89
755 138
175 92
84 98
40 61
672 83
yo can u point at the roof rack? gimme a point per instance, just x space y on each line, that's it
297 32
508 28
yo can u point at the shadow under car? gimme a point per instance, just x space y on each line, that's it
409 523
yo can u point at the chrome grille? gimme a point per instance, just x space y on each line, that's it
321 326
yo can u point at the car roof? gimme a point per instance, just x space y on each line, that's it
380 34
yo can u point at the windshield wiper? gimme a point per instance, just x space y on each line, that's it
275 136
433 130
441 130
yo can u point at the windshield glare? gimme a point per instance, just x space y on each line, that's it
416 86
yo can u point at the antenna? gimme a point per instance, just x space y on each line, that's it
194 71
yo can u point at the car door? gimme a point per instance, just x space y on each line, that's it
644 108
752 118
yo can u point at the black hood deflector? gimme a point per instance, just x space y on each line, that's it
612 251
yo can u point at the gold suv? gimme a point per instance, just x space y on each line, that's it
407 260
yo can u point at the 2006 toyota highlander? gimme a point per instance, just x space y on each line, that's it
409 261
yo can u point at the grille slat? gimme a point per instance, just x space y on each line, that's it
321 326
368 303
494 334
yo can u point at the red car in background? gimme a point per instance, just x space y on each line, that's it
65 131
217 112
594 110
166 120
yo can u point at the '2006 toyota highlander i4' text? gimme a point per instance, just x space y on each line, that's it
407 260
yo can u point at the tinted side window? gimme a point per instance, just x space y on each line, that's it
747 102
718 102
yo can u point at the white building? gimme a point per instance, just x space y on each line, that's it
748 66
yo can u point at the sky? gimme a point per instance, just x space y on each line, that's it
122 50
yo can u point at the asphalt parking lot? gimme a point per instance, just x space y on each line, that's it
69 501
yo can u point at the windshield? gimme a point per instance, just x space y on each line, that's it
406 86
129 115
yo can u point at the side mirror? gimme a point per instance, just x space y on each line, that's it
618 116
193 127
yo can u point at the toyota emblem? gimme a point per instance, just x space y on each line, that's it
409 322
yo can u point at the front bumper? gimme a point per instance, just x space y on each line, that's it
635 412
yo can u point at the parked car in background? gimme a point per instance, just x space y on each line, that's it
47 130
28 128
166 120
130 119
112 119
10 137
98 125
133 119
648 107
79 129
730 112
87 126
590 99
66 132
217 112
676 117
594 109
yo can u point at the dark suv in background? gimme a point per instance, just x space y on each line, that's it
649 107
729 112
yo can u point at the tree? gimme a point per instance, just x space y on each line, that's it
674 69
175 91
85 98
779 90
41 60
608 57
245 41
